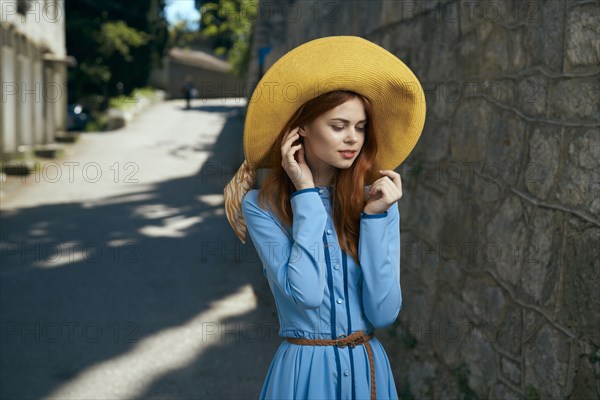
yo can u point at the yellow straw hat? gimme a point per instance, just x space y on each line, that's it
316 67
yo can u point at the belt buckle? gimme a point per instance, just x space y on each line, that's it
337 342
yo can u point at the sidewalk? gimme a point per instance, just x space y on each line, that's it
9 184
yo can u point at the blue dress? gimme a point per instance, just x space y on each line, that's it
320 292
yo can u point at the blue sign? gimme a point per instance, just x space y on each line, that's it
262 53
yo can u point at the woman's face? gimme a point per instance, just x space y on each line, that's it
341 128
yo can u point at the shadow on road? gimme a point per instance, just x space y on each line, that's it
146 274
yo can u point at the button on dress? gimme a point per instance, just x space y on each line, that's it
321 293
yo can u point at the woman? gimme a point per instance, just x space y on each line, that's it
329 244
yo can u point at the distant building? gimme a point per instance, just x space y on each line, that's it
211 75
33 63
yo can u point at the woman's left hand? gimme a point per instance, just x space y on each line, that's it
384 192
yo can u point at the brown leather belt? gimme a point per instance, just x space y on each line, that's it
358 337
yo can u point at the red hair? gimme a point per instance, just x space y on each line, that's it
349 195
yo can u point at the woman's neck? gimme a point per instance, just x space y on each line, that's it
323 173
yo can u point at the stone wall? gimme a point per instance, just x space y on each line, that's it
500 214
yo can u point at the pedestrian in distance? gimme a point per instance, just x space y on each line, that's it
188 88
325 222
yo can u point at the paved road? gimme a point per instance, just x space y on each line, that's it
120 276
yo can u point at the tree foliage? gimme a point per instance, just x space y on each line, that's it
182 36
229 23
118 37
116 44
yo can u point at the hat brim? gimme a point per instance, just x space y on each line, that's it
338 63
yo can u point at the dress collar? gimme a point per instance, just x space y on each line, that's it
325 192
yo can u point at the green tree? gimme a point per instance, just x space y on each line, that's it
117 37
180 35
229 23
115 43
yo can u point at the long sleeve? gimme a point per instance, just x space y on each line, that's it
294 265
379 256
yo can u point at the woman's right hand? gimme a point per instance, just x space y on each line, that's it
297 170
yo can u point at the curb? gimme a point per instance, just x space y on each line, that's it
119 118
